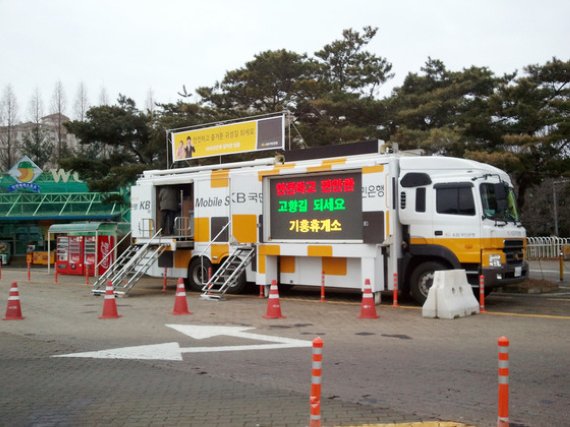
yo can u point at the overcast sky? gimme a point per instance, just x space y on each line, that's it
132 46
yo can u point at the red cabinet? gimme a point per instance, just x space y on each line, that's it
69 255
76 254
103 248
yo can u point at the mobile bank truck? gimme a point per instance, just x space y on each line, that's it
347 212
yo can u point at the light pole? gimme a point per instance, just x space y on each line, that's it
555 202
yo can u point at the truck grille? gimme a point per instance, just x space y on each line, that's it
514 251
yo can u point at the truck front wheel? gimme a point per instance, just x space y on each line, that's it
421 279
197 274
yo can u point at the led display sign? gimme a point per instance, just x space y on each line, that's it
316 207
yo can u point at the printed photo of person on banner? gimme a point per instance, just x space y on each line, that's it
180 151
189 149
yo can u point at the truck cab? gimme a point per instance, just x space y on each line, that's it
458 214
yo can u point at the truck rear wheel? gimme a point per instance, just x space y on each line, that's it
239 285
421 279
197 274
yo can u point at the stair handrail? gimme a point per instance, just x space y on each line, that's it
242 264
201 254
182 226
112 269
150 222
112 251
144 267
146 245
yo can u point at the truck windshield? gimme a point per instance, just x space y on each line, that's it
499 202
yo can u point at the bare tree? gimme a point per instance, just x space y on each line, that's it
81 104
150 101
103 96
58 102
38 144
36 106
8 121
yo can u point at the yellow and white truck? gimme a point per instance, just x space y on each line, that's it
347 212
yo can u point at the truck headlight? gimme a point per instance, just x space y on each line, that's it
494 260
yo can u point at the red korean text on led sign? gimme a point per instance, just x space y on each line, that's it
316 207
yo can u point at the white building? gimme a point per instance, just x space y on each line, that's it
51 127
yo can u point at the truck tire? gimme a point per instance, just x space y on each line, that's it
239 286
197 272
422 279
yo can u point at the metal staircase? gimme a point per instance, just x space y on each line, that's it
228 274
129 267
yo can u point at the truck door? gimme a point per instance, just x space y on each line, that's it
444 232
143 221
184 225
455 223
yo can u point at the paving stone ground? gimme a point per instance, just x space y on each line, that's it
400 368
39 390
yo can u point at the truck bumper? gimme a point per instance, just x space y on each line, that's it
506 275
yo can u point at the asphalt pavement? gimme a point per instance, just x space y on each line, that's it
551 270
62 365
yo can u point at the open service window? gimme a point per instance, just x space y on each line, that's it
314 207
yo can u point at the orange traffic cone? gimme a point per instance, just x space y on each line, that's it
367 308
273 306
180 302
13 309
109 304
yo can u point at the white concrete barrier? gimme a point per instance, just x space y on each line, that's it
450 296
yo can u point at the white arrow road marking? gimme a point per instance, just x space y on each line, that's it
167 351
203 331
173 351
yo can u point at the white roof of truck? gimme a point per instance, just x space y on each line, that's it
448 165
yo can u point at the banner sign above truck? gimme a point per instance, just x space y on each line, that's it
242 137
316 207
